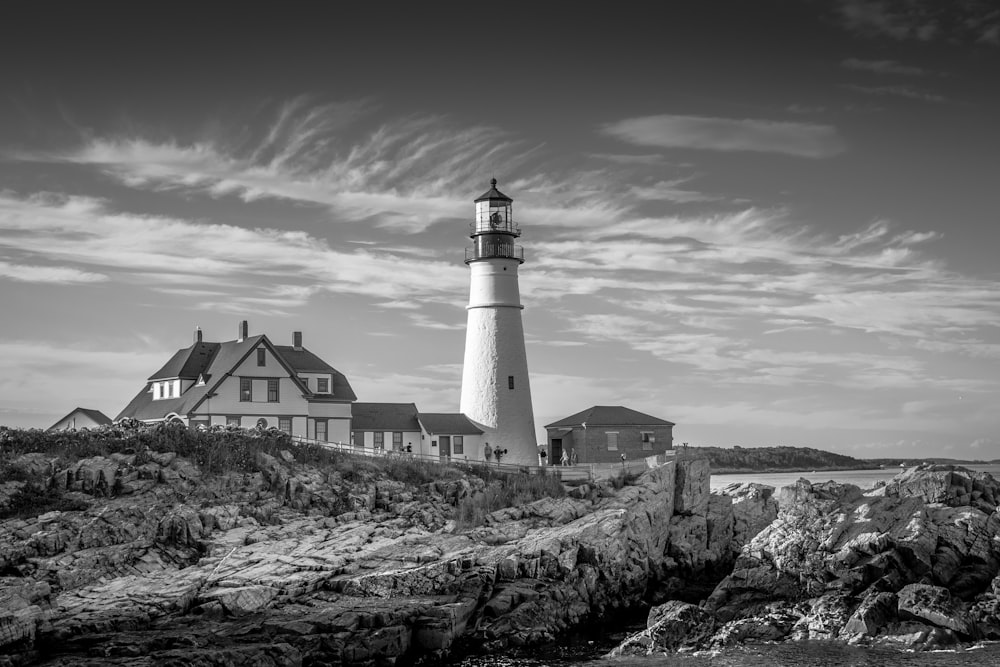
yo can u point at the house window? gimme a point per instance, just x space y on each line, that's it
647 440
612 440
397 440
321 430
457 445
510 381
322 385
272 391
261 357
379 440
232 421
285 424
246 390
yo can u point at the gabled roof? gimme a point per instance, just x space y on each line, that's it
223 360
188 363
95 416
493 193
384 417
609 415
302 360
447 423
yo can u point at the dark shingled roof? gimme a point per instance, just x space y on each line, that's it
304 361
188 363
384 417
493 193
609 415
447 423
96 416
223 359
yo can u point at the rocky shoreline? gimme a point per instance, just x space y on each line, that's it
158 563
293 565
912 564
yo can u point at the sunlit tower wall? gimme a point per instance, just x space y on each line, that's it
495 390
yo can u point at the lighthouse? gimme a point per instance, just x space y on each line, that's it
495 391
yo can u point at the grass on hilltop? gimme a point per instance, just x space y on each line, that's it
222 450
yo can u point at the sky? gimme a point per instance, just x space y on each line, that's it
772 223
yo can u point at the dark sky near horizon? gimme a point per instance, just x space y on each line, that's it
766 221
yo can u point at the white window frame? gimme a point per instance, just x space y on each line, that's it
612 446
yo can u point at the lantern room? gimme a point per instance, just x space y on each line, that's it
494 230
493 213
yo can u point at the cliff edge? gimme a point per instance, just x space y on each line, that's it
150 560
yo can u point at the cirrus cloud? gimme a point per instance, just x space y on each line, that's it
729 134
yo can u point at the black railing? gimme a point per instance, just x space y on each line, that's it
485 227
491 250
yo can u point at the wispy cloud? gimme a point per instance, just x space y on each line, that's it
882 67
48 274
970 21
729 134
263 268
405 174
908 92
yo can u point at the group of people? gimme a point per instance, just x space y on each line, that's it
567 459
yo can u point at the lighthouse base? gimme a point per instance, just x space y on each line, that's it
496 394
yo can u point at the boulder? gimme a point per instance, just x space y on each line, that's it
933 605
669 627
877 609
692 486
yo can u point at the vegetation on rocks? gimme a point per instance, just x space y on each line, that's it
767 459
226 450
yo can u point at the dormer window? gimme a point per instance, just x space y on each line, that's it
322 385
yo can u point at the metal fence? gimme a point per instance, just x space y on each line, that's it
580 472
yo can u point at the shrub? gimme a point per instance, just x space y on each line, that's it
505 490
34 500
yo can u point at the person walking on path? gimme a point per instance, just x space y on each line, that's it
565 459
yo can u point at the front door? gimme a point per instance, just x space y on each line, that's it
444 446
557 450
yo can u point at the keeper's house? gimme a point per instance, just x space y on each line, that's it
603 433
248 382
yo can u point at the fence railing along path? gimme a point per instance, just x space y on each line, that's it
579 472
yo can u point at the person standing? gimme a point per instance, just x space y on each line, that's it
565 459
573 457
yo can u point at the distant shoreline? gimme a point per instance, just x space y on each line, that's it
757 471
774 470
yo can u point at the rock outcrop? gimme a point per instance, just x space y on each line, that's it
293 565
914 563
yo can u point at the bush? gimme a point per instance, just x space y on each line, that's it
34 500
505 490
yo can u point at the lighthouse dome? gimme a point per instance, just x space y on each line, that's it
493 193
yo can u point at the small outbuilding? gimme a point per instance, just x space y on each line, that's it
603 433
81 418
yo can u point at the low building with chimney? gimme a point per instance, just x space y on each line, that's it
606 433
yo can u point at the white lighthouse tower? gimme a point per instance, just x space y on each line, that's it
495 391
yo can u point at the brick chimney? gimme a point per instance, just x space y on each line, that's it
197 334
297 340
244 332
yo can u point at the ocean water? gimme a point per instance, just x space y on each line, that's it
863 478
789 654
